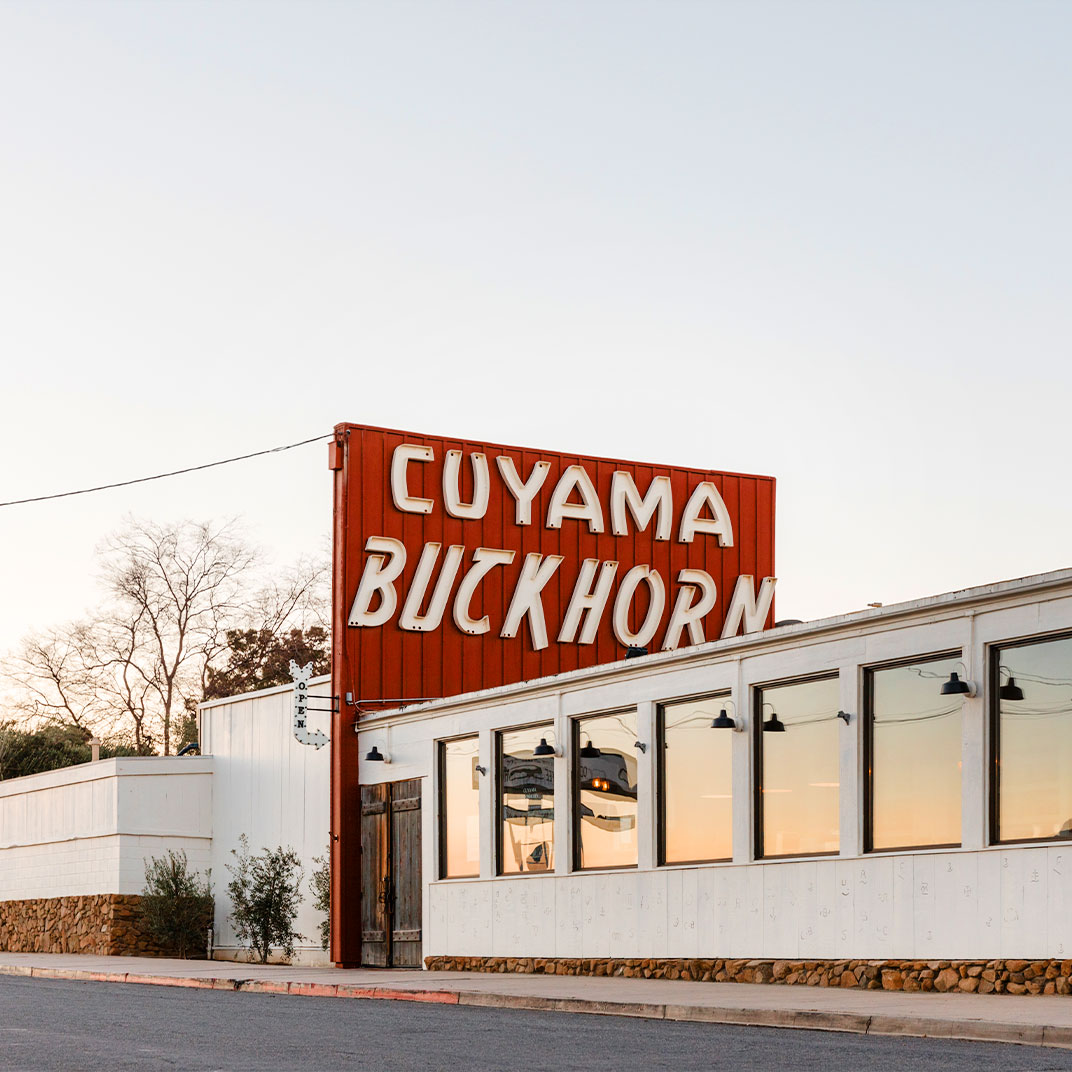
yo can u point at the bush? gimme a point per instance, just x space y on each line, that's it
176 906
320 883
265 892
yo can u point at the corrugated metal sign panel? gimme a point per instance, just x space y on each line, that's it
388 661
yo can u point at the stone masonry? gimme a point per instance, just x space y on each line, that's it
978 976
103 924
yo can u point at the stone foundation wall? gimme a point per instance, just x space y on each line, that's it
104 924
970 976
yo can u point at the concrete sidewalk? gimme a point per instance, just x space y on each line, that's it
1039 1021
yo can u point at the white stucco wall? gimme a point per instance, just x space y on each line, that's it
90 828
976 901
270 788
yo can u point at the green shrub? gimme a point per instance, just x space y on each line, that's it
176 906
265 892
320 883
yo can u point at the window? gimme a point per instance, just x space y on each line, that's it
1031 728
695 786
604 791
459 809
796 734
526 800
913 744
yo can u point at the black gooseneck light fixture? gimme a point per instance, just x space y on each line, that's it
374 755
773 724
724 722
544 749
957 686
589 751
1010 690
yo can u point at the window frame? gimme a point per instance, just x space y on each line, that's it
660 781
575 792
756 707
441 803
498 739
993 724
868 752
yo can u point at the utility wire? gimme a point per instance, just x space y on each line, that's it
164 476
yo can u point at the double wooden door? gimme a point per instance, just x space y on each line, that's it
391 874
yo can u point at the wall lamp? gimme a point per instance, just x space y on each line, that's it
724 722
956 687
773 724
545 749
1010 690
376 756
589 751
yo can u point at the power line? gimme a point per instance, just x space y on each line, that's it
164 476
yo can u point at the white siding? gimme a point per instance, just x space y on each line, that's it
270 788
90 828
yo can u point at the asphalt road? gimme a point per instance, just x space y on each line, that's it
53 1024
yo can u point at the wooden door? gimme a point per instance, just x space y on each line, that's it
375 929
405 811
391 874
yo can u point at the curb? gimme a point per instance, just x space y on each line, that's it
806 1019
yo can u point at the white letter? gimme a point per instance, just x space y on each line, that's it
589 510
623 494
377 578
719 525
403 455
451 486
624 599
585 600
523 493
484 560
684 613
411 617
535 573
743 604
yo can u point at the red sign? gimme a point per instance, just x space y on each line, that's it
461 565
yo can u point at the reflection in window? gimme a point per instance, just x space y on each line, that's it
526 800
695 783
1033 740
798 764
459 814
915 756
605 791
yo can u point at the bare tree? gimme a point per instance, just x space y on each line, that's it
178 596
176 588
56 683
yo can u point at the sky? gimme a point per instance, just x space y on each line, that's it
829 242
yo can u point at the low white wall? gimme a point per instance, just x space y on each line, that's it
1014 902
90 829
272 789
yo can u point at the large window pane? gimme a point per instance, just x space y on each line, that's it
915 756
799 777
1034 740
459 813
526 801
605 794
695 783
